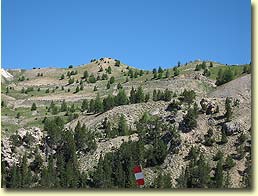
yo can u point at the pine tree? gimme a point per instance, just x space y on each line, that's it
203 172
92 78
81 87
229 163
112 80
132 96
71 81
84 106
122 125
108 85
189 120
77 89
154 95
109 70
85 75
218 176
176 71
139 95
108 102
167 73
160 70
33 107
92 105
98 104
218 156
167 95
147 97
224 138
62 77
121 98
228 108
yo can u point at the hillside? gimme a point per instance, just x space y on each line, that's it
188 126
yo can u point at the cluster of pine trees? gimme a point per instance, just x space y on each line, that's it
162 96
97 105
199 174
114 170
55 170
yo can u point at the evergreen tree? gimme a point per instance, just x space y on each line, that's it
112 80
229 163
228 108
92 105
132 96
224 138
77 89
62 77
218 156
139 95
85 75
176 71
121 98
108 102
189 121
108 85
119 86
147 97
122 126
92 78
98 104
160 75
130 73
33 107
84 106
15 177
154 96
95 88
81 87
167 73
109 70
218 176
167 95
160 70
71 81
63 106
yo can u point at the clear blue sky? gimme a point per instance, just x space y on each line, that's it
142 33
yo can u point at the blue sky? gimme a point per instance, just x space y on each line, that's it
142 33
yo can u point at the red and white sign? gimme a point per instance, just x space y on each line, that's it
138 175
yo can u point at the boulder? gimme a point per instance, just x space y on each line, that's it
232 128
208 106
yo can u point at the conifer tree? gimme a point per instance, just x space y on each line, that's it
132 96
98 104
92 78
84 106
92 105
122 125
218 176
33 107
228 109
139 95
112 80
85 75
121 98
77 89
154 96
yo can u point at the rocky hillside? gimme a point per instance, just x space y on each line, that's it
84 126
